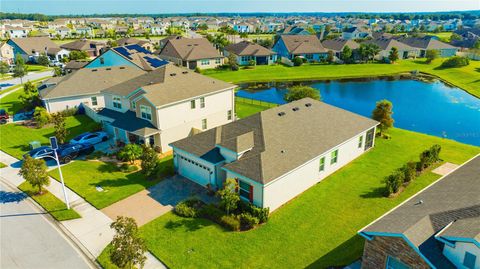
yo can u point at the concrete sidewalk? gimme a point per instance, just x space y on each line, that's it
92 230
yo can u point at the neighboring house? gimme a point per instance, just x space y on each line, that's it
158 29
428 43
244 28
165 105
275 154
246 51
354 33
74 65
293 30
305 46
338 44
17 32
57 54
31 47
191 53
84 31
92 48
133 41
63 32
439 227
386 44
6 53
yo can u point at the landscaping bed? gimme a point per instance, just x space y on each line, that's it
318 228
15 138
104 183
50 203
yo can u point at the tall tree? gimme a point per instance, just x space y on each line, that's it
149 161
43 59
393 55
383 114
299 92
431 55
347 54
20 69
229 197
34 171
128 249
60 127
3 68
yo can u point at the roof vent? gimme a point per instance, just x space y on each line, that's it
94 70
109 68
173 74
282 151
122 67
280 114
184 72
296 109
308 104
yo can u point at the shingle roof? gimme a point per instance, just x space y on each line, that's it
129 122
389 43
81 45
131 41
280 143
338 44
454 198
426 42
189 49
140 57
76 64
34 44
468 228
303 44
246 48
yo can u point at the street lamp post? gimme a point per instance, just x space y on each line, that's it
54 144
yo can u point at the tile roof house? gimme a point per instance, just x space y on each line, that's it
191 53
439 227
246 51
276 154
429 43
306 46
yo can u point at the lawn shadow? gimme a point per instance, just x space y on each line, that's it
378 192
191 225
12 197
477 69
350 249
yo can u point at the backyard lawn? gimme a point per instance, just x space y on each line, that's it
247 107
50 203
467 78
315 230
84 176
15 138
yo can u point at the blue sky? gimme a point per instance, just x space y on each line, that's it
55 7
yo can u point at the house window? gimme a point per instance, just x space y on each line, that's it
205 62
322 164
202 102
204 124
245 190
102 60
469 260
94 101
229 115
218 61
334 157
360 141
393 263
146 112
271 57
192 104
117 102
309 56
245 58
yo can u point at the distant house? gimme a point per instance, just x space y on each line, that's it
428 43
439 227
191 53
276 154
6 53
354 33
17 32
246 51
57 54
31 47
92 48
63 32
131 41
386 44
159 29
84 31
244 28
338 44
293 30
74 65
305 46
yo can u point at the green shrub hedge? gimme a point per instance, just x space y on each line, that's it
455 61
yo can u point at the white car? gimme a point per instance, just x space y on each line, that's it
90 138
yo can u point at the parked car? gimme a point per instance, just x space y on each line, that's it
4 116
90 138
66 153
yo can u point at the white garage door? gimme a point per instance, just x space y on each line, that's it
193 170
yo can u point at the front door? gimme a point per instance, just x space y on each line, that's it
369 138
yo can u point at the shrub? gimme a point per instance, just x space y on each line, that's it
393 182
127 168
130 153
197 70
299 92
248 221
234 67
435 150
431 55
429 157
69 112
41 117
183 209
297 61
149 161
211 212
230 222
455 61
409 171
258 212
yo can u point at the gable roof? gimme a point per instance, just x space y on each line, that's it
131 41
468 228
426 42
82 45
280 143
338 44
139 56
389 43
30 45
189 49
302 44
246 48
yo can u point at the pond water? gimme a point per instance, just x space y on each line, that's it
428 107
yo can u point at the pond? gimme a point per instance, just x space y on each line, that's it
429 107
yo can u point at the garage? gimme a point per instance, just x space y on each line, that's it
193 170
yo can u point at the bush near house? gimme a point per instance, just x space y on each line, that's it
297 61
455 61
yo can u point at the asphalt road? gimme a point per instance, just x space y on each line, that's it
29 240
16 81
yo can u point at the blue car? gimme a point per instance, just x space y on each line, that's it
90 138
66 153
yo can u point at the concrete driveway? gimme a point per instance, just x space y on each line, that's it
151 203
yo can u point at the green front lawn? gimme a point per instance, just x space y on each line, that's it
12 103
466 77
50 203
317 229
83 177
37 68
15 138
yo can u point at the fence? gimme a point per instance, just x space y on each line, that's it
90 113
254 102
470 55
